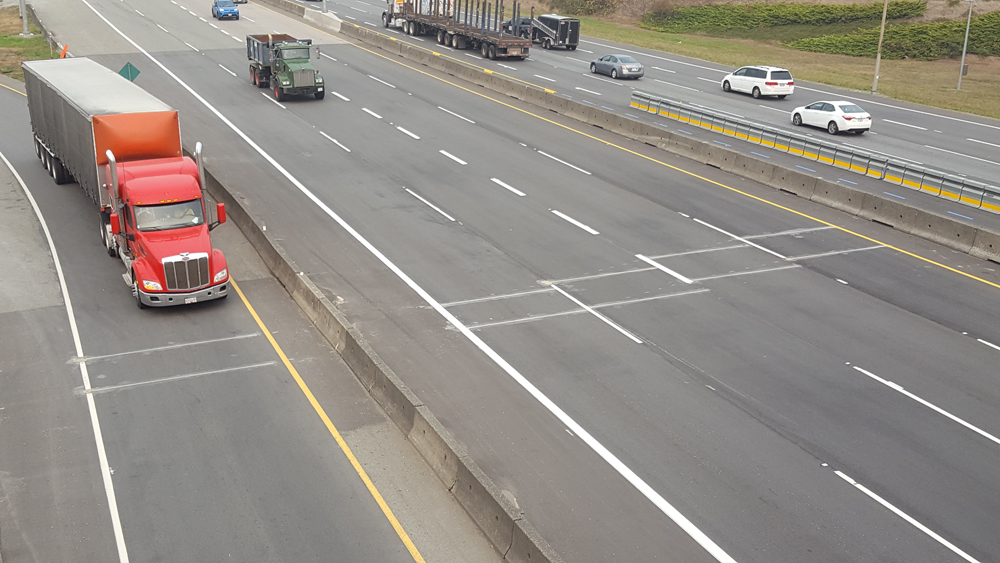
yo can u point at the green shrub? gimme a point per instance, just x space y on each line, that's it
920 41
756 15
583 7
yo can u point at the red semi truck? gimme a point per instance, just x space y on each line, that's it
123 146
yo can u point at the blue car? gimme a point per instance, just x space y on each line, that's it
222 9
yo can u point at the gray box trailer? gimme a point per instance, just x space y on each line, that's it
79 109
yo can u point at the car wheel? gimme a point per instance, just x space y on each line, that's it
593 68
614 73
726 87
832 128
756 93
782 96
797 120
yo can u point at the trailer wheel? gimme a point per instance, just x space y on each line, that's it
59 173
546 43
484 49
441 37
493 52
572 47
38 148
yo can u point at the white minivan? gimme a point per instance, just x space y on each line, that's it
760 81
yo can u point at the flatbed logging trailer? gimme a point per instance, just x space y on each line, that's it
461 24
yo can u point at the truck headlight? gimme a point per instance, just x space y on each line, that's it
285 83
151 286
221 275
319 78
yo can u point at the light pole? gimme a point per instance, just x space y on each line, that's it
24 20
965 46
878 56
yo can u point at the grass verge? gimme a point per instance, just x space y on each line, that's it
14 48
929 83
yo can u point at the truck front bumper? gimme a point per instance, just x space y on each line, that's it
166 299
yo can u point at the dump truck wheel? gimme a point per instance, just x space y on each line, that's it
278 94
253 76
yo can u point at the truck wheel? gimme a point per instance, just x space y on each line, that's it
320 95
278 94
135 293
38 148
441 37
484 48
253 76
59 173
572 47
385 20
493 52
105 240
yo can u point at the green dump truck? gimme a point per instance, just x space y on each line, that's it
282 62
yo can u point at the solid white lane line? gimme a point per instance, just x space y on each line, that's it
249 20
564 162
665 70
578 60
471 55
905 124
328 56
453 157
593 443
102 454
227 70
275 102
380 80
497 297
610 323
747 273
507 67
202 19
358 9
192 46
931 406
544 78
92 359
408 133
111 388
990 344
599 306
500 183
741 239
140 13
663 268
586 51
605 80
350 17
983 143
456 115
192 13
676 85
712 80
588 91
833 253
574 221
213 25
371 113
224 31
965 155
907 517
335 141
237 39
342 97
429 204
161 27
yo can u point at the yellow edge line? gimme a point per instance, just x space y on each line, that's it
14 90
693 175
990 206
949 195
333 430
969 200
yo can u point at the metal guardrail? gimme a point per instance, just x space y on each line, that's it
948 186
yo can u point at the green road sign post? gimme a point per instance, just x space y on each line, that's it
129 71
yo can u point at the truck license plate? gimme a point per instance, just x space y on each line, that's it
190 300
514 52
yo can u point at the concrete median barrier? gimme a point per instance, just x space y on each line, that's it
327 22
986 246
941 230
837 196
886 211
492 510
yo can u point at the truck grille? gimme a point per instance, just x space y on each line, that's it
185 272
303 78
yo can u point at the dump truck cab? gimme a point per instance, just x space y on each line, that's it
283 63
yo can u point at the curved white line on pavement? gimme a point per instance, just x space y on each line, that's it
611 459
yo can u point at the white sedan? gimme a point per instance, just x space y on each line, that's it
834 117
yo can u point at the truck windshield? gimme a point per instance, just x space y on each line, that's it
169 216
302 53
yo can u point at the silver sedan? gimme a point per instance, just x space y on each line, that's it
617 66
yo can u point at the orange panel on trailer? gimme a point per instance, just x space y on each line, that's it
136 136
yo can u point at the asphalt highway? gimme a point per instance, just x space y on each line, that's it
649 361
213 451
938 139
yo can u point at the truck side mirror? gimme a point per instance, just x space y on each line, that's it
220 212
317 53
116 226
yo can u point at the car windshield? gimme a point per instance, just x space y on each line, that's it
628 60
851 108
781 75
168 216
302 53
226 4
